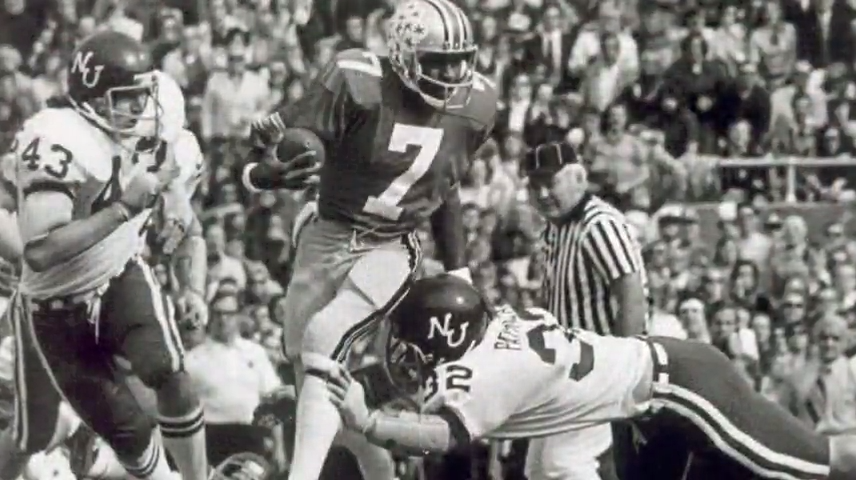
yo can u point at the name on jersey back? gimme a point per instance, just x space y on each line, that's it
509 336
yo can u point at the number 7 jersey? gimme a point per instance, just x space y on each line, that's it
391 159
529 377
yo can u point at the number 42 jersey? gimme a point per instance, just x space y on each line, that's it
529 377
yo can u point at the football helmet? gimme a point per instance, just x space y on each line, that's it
243 466
110 81
164 115
439 320
432 48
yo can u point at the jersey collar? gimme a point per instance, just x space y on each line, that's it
576 213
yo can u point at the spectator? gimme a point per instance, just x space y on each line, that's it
221 266
692 315
588 44
551 47
824 392
234 97
782 99
773 47
605 79
698 83
232 391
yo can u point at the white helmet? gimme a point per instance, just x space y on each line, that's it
432 48
168 107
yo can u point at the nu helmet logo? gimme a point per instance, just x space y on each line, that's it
89 75
454 337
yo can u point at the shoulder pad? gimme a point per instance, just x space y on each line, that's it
188 155
358 72
171 100
484 100
58 145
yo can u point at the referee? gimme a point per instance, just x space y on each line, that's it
594 280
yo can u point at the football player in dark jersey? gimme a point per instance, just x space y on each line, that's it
399 132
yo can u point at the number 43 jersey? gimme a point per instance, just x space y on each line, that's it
58 150
529 377
391 159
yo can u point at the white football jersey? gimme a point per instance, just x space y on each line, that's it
529 377
57 149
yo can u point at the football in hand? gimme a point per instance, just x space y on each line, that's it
296 141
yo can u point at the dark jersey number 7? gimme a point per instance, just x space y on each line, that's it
538 344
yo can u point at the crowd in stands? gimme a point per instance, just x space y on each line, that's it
723 128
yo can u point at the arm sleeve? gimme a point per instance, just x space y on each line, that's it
612 248
44 161
191 163
327 107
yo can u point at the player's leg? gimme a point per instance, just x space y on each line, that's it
81 368
718 412
37 413
138 324
572 455
373 284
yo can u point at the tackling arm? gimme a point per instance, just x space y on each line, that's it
418 434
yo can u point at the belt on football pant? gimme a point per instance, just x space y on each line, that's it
66 302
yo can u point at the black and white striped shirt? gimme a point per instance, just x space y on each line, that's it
584 254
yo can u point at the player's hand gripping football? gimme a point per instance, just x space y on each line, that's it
295 173
350 398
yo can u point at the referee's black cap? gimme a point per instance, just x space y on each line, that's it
547 159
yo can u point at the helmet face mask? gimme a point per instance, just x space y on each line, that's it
438 321
406 364
122 109
439 75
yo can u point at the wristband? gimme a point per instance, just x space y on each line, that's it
247 181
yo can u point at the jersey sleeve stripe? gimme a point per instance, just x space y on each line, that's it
49 187
373 68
